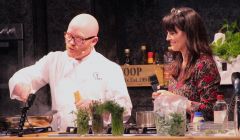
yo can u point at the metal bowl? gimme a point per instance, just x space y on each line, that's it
145 119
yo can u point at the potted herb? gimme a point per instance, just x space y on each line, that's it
177 124
227 45
117 117
172 124
97 119
82 121
226 50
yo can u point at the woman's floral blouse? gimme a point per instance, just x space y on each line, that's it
201 87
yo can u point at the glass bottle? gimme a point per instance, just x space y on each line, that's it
157 58
220 110
143 55
134 59
127 60
167 59
150 58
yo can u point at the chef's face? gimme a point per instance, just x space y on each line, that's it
77 45
177 39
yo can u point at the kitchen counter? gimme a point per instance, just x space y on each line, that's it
52 136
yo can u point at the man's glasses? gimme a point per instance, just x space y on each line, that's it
77 39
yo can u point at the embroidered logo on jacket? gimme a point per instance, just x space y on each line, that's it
97 76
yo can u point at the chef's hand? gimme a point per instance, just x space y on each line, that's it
22 91
83 104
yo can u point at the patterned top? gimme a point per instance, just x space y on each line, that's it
201 87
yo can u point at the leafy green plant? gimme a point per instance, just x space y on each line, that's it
230 47
82 121
177 125
97 120
96 110
174 124
117 116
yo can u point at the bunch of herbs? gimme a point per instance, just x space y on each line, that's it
230 47
117 116
82 121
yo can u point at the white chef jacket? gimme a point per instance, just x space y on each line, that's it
95 77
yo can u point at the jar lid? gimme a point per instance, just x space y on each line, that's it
198 114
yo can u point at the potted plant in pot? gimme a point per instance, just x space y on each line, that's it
226 50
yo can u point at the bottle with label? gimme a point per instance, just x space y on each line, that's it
197 120
167 58
220 110
134 59
127 60
198 117
143 56
150 58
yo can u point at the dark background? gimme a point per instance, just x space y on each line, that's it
123 24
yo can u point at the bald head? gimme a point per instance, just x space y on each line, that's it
84 24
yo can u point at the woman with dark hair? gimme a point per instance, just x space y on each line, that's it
193 72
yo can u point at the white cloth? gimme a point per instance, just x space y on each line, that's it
95 77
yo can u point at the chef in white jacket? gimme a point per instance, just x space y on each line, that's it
79 68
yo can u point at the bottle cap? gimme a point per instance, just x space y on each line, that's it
219 97
127 50
143 47
198 114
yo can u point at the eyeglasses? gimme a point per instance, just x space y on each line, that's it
77 39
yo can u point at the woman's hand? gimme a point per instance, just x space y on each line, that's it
159 92
192 106
155 95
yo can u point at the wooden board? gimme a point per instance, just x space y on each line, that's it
138 75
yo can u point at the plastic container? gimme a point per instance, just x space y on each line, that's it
197 120
198 117
220 110
212 129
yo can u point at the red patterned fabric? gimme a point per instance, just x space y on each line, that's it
201 87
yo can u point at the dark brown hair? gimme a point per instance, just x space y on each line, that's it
190 22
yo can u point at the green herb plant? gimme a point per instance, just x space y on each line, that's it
82 121
97 120
117 116
230 48
173 125
177 125
162 125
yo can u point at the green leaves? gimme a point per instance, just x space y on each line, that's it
82 121
177 125
117 116
230 48
113 107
